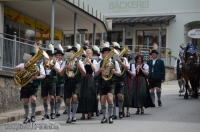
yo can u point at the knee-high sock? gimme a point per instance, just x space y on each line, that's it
58 103
120 104
110 107
45 108
180 84
26 109
114 108
68 110
74 106
33 108
158 95
52 106
152 97
103 107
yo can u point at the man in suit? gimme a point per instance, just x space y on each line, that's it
156 76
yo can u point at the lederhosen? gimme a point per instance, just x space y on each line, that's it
178 69
96 84
87 96
119 87
30 89
72 85
60 84
49 83
154 82
107 86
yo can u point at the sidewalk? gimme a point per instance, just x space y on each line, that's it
171 86
19 114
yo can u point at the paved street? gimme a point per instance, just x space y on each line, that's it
176 115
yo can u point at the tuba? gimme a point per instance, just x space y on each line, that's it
70 71
22 78
108 65
124 51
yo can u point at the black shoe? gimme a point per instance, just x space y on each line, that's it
46 116
92 114
120 115
32 118
97 113
159 103
65 112
27 120
57 114
52 116
110 120
104 120
74 119
69 120
114 117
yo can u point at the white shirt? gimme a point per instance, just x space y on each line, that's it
132 69
126 62
154 61
48 71
117 68
41 68
73 63
180 66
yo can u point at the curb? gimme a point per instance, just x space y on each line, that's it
22 116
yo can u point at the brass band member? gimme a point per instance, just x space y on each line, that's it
30 91
60 82
119 87
65 111
72 82
87 96
49 83
104 69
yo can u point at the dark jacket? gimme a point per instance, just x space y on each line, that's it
159 69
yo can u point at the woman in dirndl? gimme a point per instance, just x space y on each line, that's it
87 96
140 86
128 88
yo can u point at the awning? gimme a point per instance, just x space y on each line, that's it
147 20
64 14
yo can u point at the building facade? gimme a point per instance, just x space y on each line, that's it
175 33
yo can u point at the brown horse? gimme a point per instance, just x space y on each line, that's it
191 70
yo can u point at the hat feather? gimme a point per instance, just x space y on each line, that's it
60 47
115 44
78 46
69 47
155 46
51 48
106 44
36 48
96 48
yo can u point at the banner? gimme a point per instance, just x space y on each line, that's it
17 17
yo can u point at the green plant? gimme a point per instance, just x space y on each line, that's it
163 51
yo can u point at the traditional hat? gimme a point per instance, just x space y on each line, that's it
106 47
76 48
50 51
59 50
68 48
96 50
155 48
116 45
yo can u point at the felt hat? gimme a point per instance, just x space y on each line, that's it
106 47
59 50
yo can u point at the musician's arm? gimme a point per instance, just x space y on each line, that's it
97 70
93 65
56 67
63 69
124 64
117 70
19 67
81 68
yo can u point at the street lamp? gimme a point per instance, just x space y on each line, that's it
82 31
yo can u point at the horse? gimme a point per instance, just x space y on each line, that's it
191 70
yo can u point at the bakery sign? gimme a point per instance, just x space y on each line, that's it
195 33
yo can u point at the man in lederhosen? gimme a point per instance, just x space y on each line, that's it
30 91
156 76
119 88
178 72
49 83
60 80
72 83
107 88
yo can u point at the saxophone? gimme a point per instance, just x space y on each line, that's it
108 65
124 51
70 71
22 78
